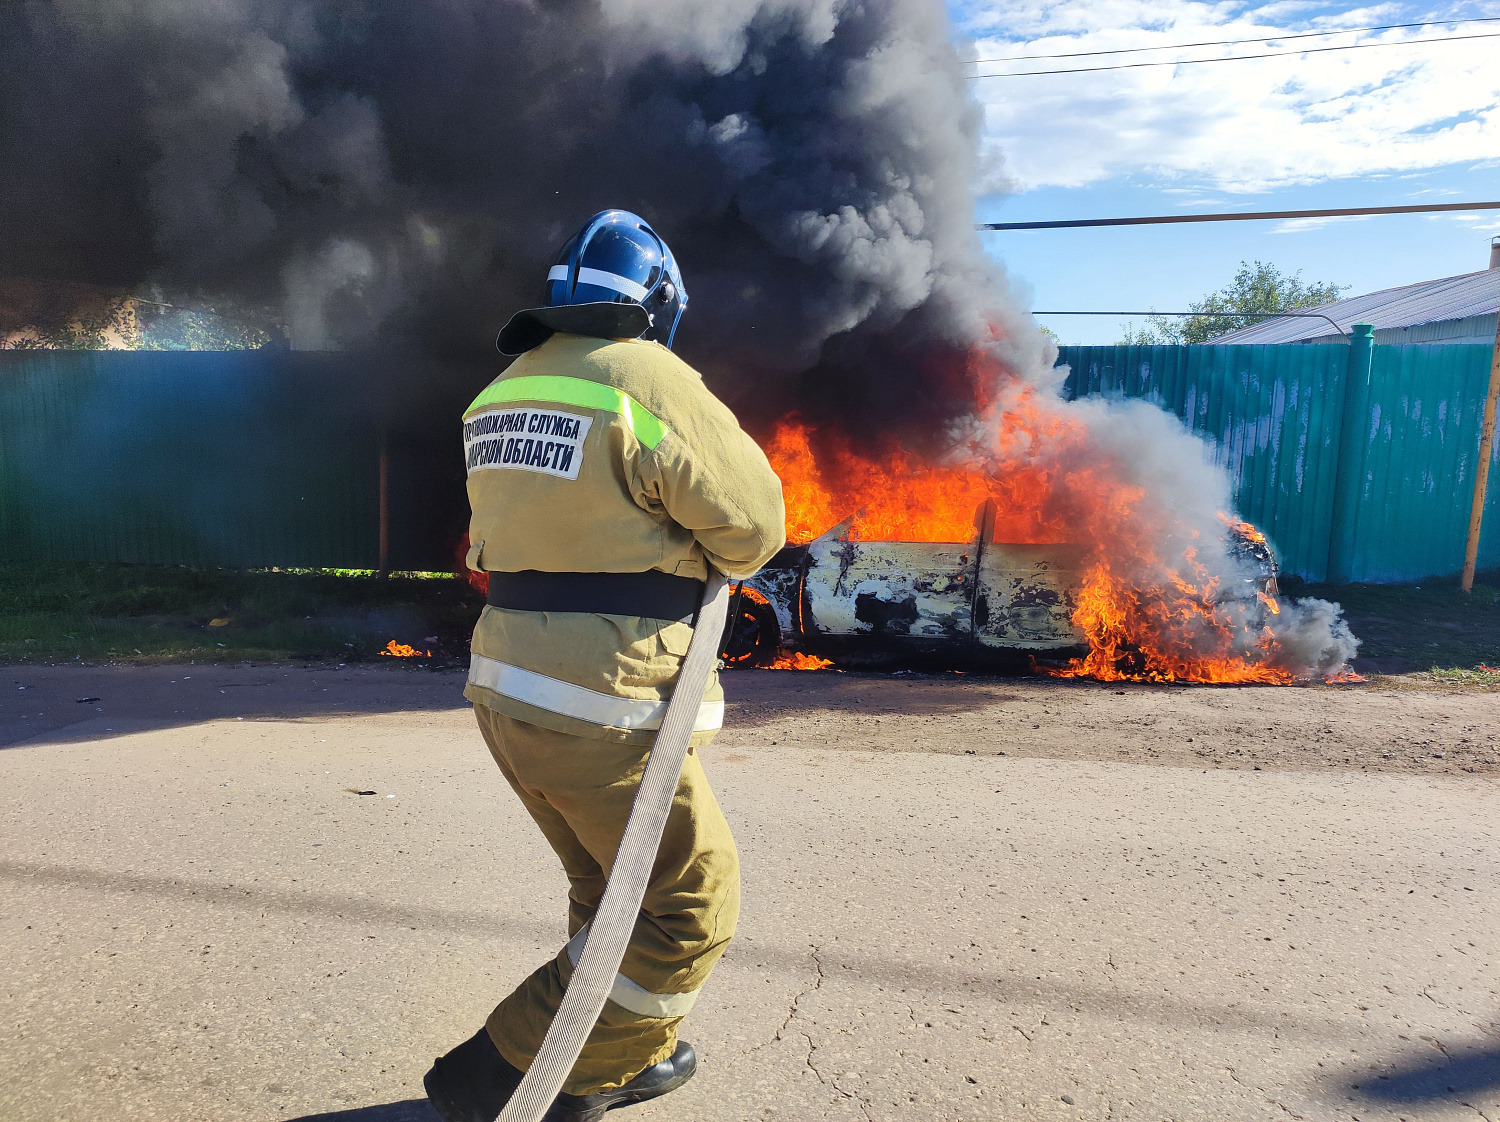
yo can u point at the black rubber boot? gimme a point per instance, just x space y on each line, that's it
652 1083
472 1083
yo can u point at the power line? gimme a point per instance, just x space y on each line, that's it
1213 315
1236 58
1241 42
1243 216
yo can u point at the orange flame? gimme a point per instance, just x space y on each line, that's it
895 496
479 582
402 650
1243 528
1146 617
796 660
1346 676
785 659
1173 637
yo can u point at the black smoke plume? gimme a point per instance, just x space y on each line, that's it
394 175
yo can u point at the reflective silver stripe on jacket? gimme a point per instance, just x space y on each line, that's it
575 701
632 996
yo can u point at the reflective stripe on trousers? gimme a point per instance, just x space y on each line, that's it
578 702
633 996
578 792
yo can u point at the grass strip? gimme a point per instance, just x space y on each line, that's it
95 612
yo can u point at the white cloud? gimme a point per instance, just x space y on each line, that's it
1238 126
1300 225
1487 223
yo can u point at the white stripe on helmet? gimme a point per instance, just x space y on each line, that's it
623 285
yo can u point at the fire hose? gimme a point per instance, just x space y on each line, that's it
610 930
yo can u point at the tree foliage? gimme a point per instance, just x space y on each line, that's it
205 328
95 323
1256 288
123 323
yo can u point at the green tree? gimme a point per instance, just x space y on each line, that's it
96 325
1255 288
116 322
205 328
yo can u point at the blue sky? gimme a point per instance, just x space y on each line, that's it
1384 126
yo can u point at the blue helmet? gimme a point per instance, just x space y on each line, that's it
617 278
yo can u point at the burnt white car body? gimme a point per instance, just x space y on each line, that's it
977 601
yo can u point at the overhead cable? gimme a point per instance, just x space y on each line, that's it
1241 216
1241 42
1236 58
1212 314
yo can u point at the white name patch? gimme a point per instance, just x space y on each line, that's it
527 439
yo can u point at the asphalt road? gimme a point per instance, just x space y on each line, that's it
1155 904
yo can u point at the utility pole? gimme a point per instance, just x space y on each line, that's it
1482 474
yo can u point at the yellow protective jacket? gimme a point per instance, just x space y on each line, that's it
599 455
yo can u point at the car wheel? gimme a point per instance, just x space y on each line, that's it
752 635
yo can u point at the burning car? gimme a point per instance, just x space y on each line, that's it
980 601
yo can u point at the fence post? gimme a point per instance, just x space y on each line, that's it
385 503
1349 468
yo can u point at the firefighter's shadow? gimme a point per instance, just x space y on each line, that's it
1457 1074
408 1110
69 705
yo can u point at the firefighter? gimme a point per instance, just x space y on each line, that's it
604 478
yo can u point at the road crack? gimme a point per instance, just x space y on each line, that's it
791 1011
858 1100
1261 1091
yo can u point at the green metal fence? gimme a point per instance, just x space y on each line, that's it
227 458
1358 461
1417 452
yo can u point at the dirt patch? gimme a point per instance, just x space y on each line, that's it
1368 727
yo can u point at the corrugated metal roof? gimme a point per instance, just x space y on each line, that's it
1472 294
1470 329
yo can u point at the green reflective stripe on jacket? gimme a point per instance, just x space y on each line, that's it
645 426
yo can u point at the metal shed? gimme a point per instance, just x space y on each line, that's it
1457 309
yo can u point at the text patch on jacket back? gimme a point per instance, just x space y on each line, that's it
527 439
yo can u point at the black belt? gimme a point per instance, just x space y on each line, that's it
653 594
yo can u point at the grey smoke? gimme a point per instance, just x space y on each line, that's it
1313 638
1170 542
1191 492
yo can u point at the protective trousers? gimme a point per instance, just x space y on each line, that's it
579 790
